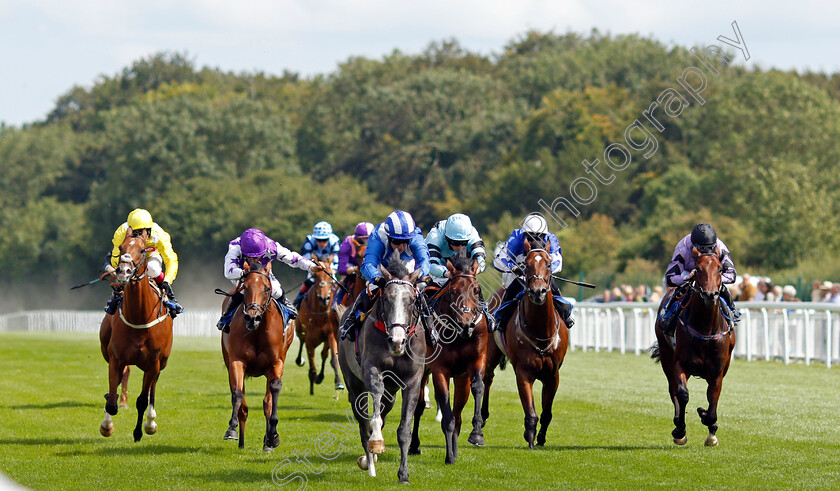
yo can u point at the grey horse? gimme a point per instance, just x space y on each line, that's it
391 348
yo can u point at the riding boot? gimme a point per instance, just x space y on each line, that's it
488 317
564 307
353 322
431 334
299 298
508 304
172 303
234 302
113 302
731 312
293 312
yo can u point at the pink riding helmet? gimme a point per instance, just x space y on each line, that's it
253 243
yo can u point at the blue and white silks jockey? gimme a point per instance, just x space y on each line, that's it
397 233
322 242
509 262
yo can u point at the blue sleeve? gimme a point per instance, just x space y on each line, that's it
373 254
421 253
556 254
336 244
508 253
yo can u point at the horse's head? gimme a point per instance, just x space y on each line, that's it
256 288
360 246
398 304
707 279
323 280
538 272
462 304
132 262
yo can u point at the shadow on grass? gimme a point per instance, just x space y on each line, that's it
44 440
134 449
233 475
53 405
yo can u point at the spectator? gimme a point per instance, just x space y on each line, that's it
628 293
734 291
748 290
656 294
761 291
641 293
616 294
606 297
834 293
775 293
789 294
821 291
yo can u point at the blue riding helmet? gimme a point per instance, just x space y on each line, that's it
399 225
322 231
458 228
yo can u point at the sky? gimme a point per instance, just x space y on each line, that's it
49 46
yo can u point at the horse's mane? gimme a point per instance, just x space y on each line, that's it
256 265
321 257
461 262
397 267
536 243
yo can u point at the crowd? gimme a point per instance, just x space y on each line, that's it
745 289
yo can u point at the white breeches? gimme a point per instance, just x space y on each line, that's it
154 265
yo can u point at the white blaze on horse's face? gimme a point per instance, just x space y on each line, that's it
125 269
399 316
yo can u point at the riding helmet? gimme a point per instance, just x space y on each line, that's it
703 237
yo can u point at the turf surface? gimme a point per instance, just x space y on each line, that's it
611 428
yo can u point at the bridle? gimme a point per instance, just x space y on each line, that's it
127 259
413 317
260 308
694 288
459 307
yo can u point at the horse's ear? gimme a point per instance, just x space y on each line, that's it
246 266
413 277
450 267
385 273
695 252
527 246
547 245
717 251
268 268
474 267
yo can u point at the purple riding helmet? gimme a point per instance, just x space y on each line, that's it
363 230
253 243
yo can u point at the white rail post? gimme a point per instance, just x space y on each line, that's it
786 341
828 339
636 341
766 334
748 334
621 331
809 342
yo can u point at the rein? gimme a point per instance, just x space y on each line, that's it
693 288
261 308
380 324
554 339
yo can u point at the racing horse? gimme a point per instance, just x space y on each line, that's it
313 327
536 339
139 333
354 284
703 346
457 311
256 346
390 357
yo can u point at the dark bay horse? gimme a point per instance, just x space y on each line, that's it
140 334
256 346
354 283
536 339
457 313
704 344
391 348
313 327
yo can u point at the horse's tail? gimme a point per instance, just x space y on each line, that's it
503 363
654 351
299 359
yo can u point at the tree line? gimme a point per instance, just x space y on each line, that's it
211 153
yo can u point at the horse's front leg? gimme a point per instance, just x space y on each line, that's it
310 355
339 384
272 394
491 361
150 426
709 417
325 350
477 386
549 389
236 378
376 387
115 370
149 376
525 384
124 388
441 381
410 396
678 388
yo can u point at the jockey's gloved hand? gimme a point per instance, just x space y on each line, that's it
518 270
688 275
380 282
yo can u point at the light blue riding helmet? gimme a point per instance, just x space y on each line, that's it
322 231
458 227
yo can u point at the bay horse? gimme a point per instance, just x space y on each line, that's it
703 348
390 357
354 282
536 340
313 327
256 346
457 313
140 334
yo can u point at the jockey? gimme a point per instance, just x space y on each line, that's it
448 238
254 244
140 224
681 270
397 233
321 242
510 262
347 252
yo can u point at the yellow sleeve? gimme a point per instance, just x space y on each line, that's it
163 243
119 238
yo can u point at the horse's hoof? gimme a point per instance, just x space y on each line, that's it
362 462
449 460
266 448
123 405
414 451
150 428
106 432
711 441
339 386
231 434
476 439
319 379
299 362
376 446
680 441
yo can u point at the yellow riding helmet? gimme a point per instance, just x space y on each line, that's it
139 218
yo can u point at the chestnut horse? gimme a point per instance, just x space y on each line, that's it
460 354
313 327
256 346
354 282
704 344
536 339
140 334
